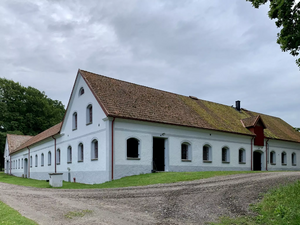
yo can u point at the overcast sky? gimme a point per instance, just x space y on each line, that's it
217 50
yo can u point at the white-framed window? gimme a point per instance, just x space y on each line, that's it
22 163
57 156
81 91
80 152
36 160
69 154
207 153
225 155
273 158
74 122
49 158
19 163
283 158
294 159
242 155
186 151
30 161
132 148
94 152
42 159
89 114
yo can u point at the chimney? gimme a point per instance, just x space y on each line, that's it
238 105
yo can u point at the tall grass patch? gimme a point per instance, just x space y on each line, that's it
278 206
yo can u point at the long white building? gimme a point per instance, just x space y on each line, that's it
113 129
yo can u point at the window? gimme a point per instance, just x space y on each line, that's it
69 154
89 114
225 155
185 151
283 158
30 161
242 155
18 163
49 158
57 156
94 150
132 148
273 158
81 91
42 159
22 163
80 152
74 121
294 160
36 160
207 156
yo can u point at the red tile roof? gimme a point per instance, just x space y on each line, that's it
41 136
14 141
131 101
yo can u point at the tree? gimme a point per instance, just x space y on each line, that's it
25 110
287 13
297 129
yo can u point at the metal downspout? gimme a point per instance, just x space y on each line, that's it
28 166
54 154
112 148
252 153
267 154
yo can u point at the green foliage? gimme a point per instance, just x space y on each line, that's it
279 206
288 19
25 110
137 180
297 129
10 216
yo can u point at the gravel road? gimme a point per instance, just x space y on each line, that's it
195 202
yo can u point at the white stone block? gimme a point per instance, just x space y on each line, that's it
56 179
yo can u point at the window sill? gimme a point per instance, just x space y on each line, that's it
57 163
132 158
242 162
49 164
69 162
273 164
225 162
74 129
283 164
80 160
186 160
207 161
96 159
42 165
294 164
89 123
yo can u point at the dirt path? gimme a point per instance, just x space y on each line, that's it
194 202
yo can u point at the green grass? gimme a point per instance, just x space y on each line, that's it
10 216
137 180
278 206
81 213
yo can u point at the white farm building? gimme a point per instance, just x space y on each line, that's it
113 129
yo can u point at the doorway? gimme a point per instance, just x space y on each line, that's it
158 154
7 167
25 168
257 161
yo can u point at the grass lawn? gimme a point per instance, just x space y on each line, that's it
137 180
10 216
279 206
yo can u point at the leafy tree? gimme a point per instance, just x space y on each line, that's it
25 110
297 129
287 15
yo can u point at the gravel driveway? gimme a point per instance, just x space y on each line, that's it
194 202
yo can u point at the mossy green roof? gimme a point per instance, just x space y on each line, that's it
131 101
